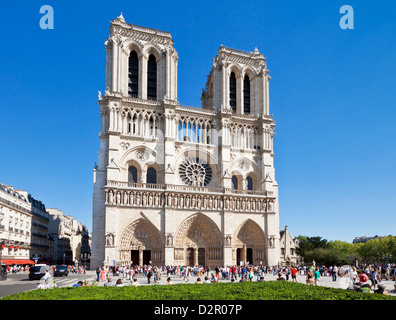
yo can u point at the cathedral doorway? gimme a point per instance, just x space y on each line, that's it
135 257
250 243
238 256
146 256
190 256
249 255
201 256
141 242
198 240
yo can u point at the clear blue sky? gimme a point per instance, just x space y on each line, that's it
332 93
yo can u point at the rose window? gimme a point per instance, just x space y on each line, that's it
195 172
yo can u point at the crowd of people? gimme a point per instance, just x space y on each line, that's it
364 278
14 269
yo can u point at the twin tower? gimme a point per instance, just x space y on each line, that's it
177 185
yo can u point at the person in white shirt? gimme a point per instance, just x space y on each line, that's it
46 276
334 273
135 283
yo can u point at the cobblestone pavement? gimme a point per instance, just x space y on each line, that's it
325 281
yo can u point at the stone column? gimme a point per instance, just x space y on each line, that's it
143 60
115 64
140 256
168 75
243 253
195 256
225 97
239 94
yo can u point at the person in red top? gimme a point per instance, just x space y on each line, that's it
294 273
363 279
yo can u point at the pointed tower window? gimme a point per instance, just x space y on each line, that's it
234 182
151 176
152 78
249 183
132 174
246 95
233 91
133 75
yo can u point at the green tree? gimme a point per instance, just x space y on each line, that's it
308 245
382 250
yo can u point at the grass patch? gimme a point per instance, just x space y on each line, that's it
269 290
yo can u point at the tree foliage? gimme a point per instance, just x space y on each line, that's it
323 252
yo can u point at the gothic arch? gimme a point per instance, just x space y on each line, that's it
250 236
236 69
132 45
154 50
208 235
198 233
248 71
249 233
140 235
245 167
128 157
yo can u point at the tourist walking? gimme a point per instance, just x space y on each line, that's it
334 273
317 276
294 274
97 274
374 277
149 275
103 274
310 278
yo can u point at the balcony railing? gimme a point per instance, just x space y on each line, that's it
185 188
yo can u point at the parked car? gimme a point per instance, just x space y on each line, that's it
3 272
60 270
37 271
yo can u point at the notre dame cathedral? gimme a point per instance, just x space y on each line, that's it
178 185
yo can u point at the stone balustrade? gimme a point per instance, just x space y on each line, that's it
187 197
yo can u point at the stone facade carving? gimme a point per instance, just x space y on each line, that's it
154 199
169 240
110 239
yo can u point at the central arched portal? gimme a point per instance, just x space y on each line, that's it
249 244
140 244
198 241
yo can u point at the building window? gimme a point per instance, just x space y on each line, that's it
133 75
249 182
151 175
152 78
132 174
195 172
234 181
246 95
233 91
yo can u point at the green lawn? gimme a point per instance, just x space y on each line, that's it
269 290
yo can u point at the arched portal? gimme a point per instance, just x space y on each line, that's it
249 243
141 242
198 241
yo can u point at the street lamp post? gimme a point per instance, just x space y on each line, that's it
84 258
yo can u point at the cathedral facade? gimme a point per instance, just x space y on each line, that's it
179 185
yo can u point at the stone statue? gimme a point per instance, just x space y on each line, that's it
131 198
169 240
